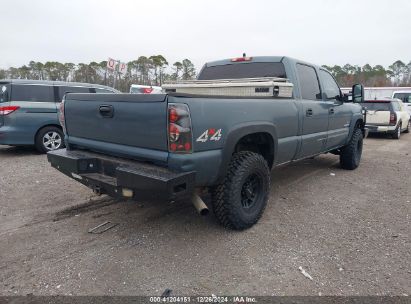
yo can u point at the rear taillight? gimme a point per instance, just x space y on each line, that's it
147 90
8 109
393 119
180 139
61 115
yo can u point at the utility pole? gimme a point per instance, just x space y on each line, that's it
116 73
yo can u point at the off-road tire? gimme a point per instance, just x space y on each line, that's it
39 140
231 196
351 154
397 132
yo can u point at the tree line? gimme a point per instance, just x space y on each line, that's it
152 70
397 74
155 70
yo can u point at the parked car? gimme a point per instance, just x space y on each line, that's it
372 93
387 115
170 146
28 111
145 89
405 96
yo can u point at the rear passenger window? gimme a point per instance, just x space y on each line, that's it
40 93
310 88
66 89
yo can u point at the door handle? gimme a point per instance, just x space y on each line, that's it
106 111
309 112
331 111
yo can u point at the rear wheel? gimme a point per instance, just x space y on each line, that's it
397 132
240 200
351 154
49 139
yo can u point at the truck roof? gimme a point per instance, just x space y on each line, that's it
408 90
254 59
258 59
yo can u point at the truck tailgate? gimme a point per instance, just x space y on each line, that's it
378 117
117 120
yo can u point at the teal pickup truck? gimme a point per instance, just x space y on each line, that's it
171 145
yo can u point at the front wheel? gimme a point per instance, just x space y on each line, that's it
240 200
49 139
351 154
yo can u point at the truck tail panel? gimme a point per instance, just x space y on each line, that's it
378 112
128 122
378 117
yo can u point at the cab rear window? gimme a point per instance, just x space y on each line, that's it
243 70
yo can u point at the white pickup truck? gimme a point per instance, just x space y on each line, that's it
405 96
387 115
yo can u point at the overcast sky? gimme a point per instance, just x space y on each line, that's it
319 31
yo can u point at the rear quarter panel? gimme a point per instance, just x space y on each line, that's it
234 118
21 126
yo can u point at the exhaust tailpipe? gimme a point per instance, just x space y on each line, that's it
199 204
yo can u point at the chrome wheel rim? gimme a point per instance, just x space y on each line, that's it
52 140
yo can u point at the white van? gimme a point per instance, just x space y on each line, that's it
405 96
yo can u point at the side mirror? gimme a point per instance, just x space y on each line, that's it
357 93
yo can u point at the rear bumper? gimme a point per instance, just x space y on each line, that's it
380 129
119 177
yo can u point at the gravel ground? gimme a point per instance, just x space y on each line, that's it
349 230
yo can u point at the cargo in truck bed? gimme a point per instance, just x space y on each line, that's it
250 87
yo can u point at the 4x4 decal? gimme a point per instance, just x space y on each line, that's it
210 134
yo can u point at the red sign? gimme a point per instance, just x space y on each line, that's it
111 64
122 69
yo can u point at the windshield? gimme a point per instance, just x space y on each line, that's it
405 97
243 70
4 92
377 106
